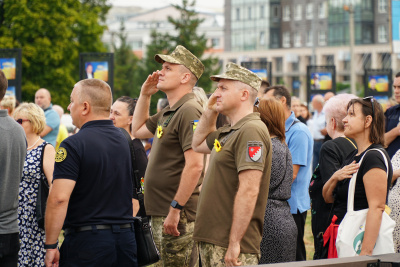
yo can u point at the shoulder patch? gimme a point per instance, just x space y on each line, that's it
254 151
195 122
61 154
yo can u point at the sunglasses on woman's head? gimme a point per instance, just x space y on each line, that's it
370 98
20 121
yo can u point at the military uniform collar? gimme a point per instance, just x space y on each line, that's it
242 121
180 102
97 123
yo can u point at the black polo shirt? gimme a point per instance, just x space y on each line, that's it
392 116
99 160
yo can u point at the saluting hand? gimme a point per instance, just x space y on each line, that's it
171 222
212 102
149 87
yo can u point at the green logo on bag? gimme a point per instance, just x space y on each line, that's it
358 242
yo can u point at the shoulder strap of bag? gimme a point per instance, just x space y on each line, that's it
41 165
135 172
352 185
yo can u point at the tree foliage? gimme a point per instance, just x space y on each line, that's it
51 34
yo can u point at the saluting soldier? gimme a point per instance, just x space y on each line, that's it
232 203
173 173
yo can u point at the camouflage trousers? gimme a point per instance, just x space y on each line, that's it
175 250
214 256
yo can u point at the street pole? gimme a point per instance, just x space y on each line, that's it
350 9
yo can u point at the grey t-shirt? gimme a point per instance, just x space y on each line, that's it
12 158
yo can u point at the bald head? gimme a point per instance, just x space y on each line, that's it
328 95
97 93
43 98
59 110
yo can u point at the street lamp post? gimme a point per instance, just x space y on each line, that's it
349 8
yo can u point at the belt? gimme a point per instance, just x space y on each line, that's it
68 231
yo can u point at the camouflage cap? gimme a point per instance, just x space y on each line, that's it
183 57
238 73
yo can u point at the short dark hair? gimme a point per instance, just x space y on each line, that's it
265 84
3 84
398 75
279 91
377 132
130 101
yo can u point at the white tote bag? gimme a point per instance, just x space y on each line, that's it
351 229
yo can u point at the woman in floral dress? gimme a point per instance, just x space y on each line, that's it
32 119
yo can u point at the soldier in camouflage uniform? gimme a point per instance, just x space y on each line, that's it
174 171
232 203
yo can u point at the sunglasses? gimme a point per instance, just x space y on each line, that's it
370 98
20 121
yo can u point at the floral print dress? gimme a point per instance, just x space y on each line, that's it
32 237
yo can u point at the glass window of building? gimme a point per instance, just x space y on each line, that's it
286 39
262 12
286 13
322 38
386 60
366 60
295 66
297 12
309 39
366 4
309 11
262 38
275 11
382 34
215 42
322 10
382 6
137 45
330 60
279 64
249 12
237 13
297 39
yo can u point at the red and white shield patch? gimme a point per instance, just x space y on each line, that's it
254 152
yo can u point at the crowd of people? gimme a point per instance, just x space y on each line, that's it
227 178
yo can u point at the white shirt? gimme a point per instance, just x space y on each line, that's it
318 124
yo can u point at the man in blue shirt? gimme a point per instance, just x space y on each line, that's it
300 143
50 132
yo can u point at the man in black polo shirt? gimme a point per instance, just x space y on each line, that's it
92 187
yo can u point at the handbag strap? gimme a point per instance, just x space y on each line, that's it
352 185
135 172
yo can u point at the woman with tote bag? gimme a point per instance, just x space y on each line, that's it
365 194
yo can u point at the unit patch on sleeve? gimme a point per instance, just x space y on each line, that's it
195 122
61 154
254 151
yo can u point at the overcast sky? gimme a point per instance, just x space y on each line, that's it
160 3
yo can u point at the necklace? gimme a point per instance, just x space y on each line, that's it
33 144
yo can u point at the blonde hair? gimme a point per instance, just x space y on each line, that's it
34 114
9 103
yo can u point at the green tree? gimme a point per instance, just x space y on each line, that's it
187 35
51 34
126 67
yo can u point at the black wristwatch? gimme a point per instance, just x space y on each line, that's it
176 205
51 246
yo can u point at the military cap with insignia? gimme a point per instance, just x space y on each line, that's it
183 57
241 74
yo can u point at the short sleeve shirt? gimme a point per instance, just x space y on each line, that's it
98 159
392 116
245 146
300 143
53 121
173 129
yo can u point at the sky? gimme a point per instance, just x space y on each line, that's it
218 4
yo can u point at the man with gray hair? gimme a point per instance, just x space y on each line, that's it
233 198
318 127
12 158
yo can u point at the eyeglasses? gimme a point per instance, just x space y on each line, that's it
372 104
20 121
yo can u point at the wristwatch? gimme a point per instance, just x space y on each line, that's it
51 246
176 205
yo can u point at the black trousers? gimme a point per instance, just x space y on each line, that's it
300 219
9 247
